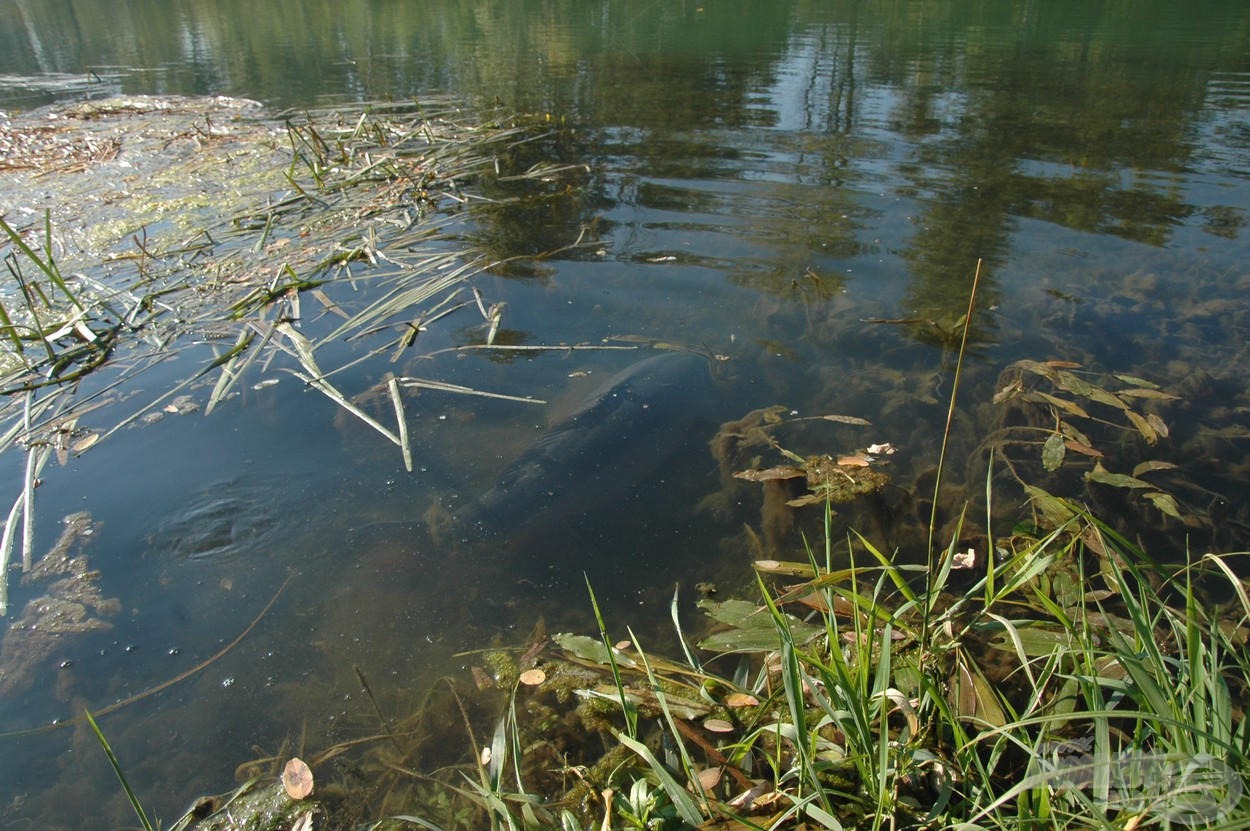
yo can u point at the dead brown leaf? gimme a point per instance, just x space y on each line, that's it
297 778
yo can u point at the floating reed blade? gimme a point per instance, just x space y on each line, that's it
393 386
443 386
302 350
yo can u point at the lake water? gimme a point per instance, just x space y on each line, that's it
803 190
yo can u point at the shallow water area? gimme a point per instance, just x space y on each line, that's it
799 196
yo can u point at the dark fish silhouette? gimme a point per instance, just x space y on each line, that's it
608 453
604 463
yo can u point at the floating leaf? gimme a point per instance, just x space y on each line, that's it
1116 480
1036 638
297 778
481 679
770 474
1073 384
753 629
1148 393
809 499
1165 503
736 700
1037 369
717 725
1160 426
85 442
590 649
1103 397
1137 382
532 677
857 460
1083 449
845 419
1053 451
1143 426
1149 467
1009 392
787 569
972 695
708 778
1053 509
1062 403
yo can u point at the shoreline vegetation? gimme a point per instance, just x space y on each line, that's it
1018 662
1049 675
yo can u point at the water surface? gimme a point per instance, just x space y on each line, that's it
765 181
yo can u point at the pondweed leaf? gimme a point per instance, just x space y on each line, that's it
589 649
1143 426
1053 509
1103 397
1061 403
1083 449
1137 382
1165 503
1149 467
1116 480
1142 392
753 629
1053 451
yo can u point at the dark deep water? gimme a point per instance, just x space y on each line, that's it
768 181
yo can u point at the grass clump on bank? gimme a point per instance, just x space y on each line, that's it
1062 686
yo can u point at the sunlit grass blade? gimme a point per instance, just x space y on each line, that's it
682 801
628 710
121 776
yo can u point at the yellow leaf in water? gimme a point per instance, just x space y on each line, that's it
532 677
297 779
741 700
1149 433
1150 466
769 474
708 778
481 679
845 419
1084 449
718 725
858 460
86 441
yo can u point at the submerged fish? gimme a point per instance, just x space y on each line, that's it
613 458
611 451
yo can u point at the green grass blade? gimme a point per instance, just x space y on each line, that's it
682 801
121 777
627 707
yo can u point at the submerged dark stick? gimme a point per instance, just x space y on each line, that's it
164 685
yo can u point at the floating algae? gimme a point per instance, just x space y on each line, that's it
72 605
